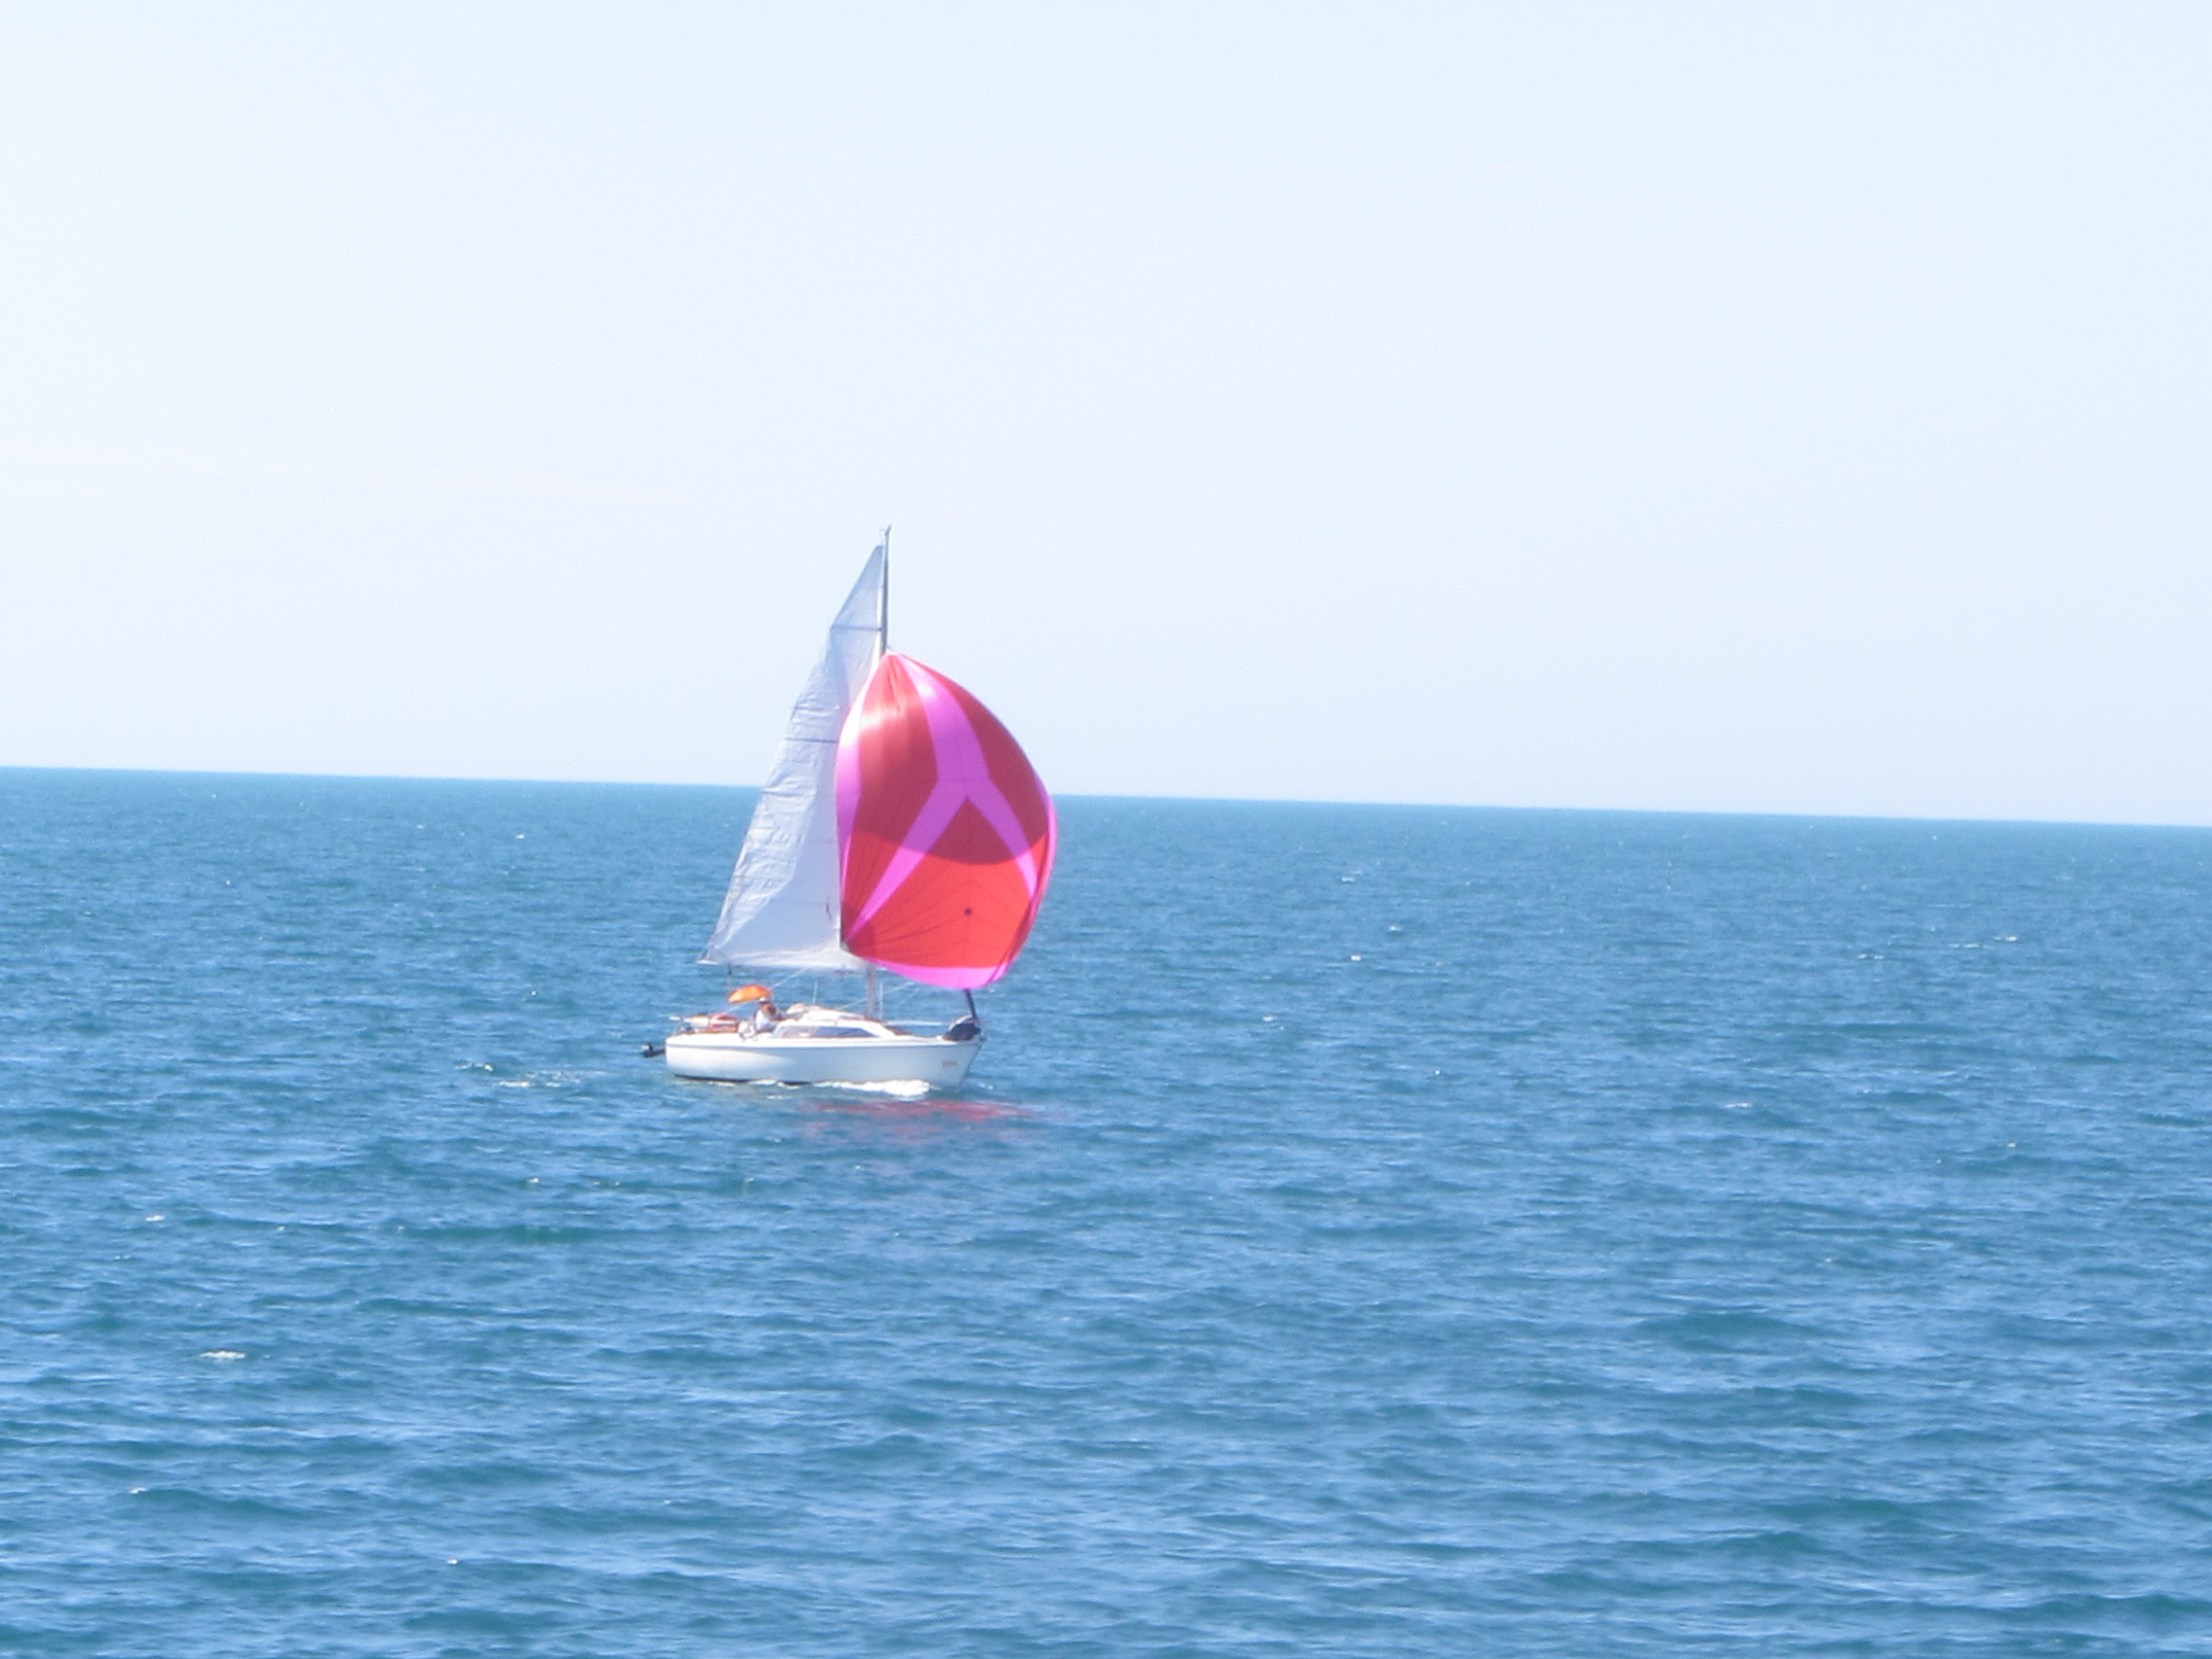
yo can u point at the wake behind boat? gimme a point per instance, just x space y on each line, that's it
902 828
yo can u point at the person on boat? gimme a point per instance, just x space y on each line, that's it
765 1014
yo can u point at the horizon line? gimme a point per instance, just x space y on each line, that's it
1220 801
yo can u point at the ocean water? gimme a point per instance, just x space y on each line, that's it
1368 1230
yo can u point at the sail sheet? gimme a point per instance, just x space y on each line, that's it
781 910
948 835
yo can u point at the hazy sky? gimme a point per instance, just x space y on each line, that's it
1757 407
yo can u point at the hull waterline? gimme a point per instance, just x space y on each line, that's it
734 1057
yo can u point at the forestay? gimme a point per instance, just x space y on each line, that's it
781 910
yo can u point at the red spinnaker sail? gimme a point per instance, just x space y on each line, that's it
944 834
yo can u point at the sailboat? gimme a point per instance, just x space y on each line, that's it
902 831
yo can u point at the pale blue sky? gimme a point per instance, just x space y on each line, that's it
1759 407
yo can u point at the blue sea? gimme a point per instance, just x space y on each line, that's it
1368 1231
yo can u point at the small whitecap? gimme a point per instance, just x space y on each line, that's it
222 1356
157 1217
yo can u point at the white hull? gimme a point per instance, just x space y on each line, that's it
743 1057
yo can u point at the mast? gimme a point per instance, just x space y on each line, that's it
874 1004
883 602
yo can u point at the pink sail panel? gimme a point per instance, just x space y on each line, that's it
944 834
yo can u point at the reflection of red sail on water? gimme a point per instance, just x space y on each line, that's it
945 833
923 1114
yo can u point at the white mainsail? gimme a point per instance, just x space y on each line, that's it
781 911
